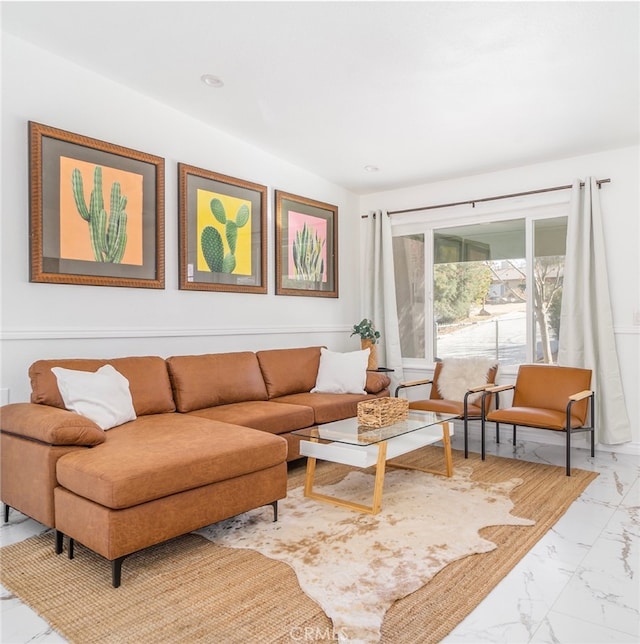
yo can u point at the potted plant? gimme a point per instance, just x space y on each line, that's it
368 339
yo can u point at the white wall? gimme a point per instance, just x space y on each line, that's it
621 212
52 320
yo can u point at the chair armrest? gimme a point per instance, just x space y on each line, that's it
474 390
412 383
480 388
49 425
581 395
499 388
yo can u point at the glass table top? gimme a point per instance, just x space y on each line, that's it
348 431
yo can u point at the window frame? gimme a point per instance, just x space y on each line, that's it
531 208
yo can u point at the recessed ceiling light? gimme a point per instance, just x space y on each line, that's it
371 168
211 80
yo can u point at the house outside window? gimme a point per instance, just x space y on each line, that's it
491 288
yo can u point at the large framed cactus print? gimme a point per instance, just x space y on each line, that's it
96 211
222 231
306 246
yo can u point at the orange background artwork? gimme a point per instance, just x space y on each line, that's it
75 240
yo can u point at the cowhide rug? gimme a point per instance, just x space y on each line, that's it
356 565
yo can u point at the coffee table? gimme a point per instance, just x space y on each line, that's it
346 442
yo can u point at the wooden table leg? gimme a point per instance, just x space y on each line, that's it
309 476
446 443
374 508
448 460
379 482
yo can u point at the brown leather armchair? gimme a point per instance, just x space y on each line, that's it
546 397
465 409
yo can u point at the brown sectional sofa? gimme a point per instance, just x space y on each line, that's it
211 440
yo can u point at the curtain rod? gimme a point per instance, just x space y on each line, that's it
473 202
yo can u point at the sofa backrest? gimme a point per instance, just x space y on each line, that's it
147 375
289 371
213 379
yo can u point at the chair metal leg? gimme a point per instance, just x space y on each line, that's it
514 437
465 421
466 437
482 442
497 424
568 431
274 505
593 426
6 513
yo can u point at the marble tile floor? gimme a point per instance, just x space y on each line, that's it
580 584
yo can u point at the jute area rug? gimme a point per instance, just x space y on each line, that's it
194 590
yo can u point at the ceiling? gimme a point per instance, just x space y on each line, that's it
424 91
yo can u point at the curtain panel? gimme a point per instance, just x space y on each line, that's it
379 291
586 336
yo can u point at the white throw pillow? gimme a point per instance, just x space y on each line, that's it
342 373
102 396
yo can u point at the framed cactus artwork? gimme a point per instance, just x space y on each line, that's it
306 246
222 232
96 211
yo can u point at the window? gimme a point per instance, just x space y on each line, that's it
490 288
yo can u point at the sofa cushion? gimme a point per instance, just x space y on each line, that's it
265 415
445 407
329 407
289 371
207 380
147 375
154 457
102 396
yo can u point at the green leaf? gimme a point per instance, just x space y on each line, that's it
231 233
242 216
78 193
212 249
218 210
229 263
97 200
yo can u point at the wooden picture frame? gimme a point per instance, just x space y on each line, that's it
306 246
222 232
79 234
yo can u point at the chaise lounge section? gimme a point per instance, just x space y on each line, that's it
210 440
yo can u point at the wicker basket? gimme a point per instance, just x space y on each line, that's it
382 412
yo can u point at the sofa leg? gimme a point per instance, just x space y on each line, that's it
6 513
116 571
466 437
274 505
71 544
59 541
